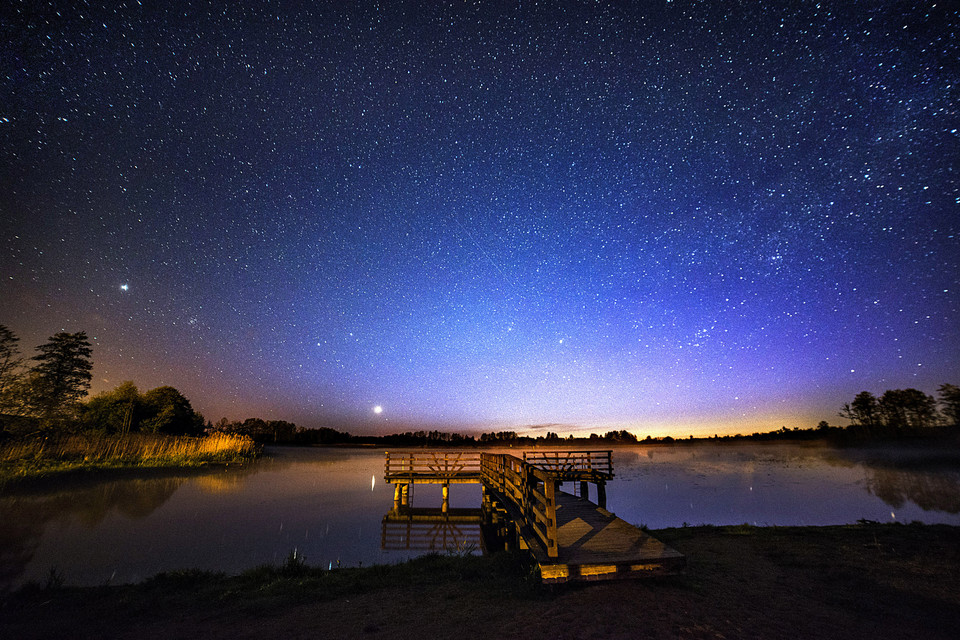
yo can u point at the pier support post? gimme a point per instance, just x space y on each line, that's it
602 495
446 498
397 494
405 495
584 489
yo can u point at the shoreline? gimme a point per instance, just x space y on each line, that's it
92 474
29 473
50 459
865 580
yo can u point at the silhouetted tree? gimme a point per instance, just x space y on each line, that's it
117 411
61 376
920 408
11 375
892 409
282 431
907 408
125 409
619 436
950 400
256 428
167 411
863 411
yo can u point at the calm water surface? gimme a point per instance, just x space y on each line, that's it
327 504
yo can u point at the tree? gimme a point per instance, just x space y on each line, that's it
61 376
11 376
892 408
863 411
283 431
117 411
950 399
907 408
919 408
168 411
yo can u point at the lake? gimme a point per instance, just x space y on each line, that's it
328 505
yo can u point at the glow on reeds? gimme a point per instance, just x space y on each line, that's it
128 450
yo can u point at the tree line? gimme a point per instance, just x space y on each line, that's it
903 411
44 394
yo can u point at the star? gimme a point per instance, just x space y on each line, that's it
602 216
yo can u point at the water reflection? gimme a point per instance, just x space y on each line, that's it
432 529
28 512
329 505
26 517
783 484
904 475
931 491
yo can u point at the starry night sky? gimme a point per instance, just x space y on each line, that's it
670 217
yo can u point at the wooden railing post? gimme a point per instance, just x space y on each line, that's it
550 493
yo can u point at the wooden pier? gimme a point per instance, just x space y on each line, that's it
571 537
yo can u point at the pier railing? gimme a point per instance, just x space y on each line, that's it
531 490
573 465
432 466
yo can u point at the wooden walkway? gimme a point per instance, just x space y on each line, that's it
594 544
570 537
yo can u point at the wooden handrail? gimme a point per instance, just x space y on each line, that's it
588 462
433 463
521 482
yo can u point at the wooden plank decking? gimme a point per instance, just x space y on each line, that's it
594 544
591 544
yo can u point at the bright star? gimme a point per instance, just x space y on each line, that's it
124 287
378 409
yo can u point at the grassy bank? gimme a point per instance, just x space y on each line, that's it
863 581
38 457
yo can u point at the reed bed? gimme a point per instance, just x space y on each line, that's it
41 456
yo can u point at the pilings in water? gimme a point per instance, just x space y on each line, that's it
401 495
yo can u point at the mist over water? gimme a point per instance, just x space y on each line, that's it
328 505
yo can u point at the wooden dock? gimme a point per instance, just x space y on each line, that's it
594 544
570 537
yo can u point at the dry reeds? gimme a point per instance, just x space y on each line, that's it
50 454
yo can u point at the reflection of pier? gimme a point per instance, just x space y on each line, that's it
571 537
432 529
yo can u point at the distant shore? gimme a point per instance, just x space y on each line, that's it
41 460
860 581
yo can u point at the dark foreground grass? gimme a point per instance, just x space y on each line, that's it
862 581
